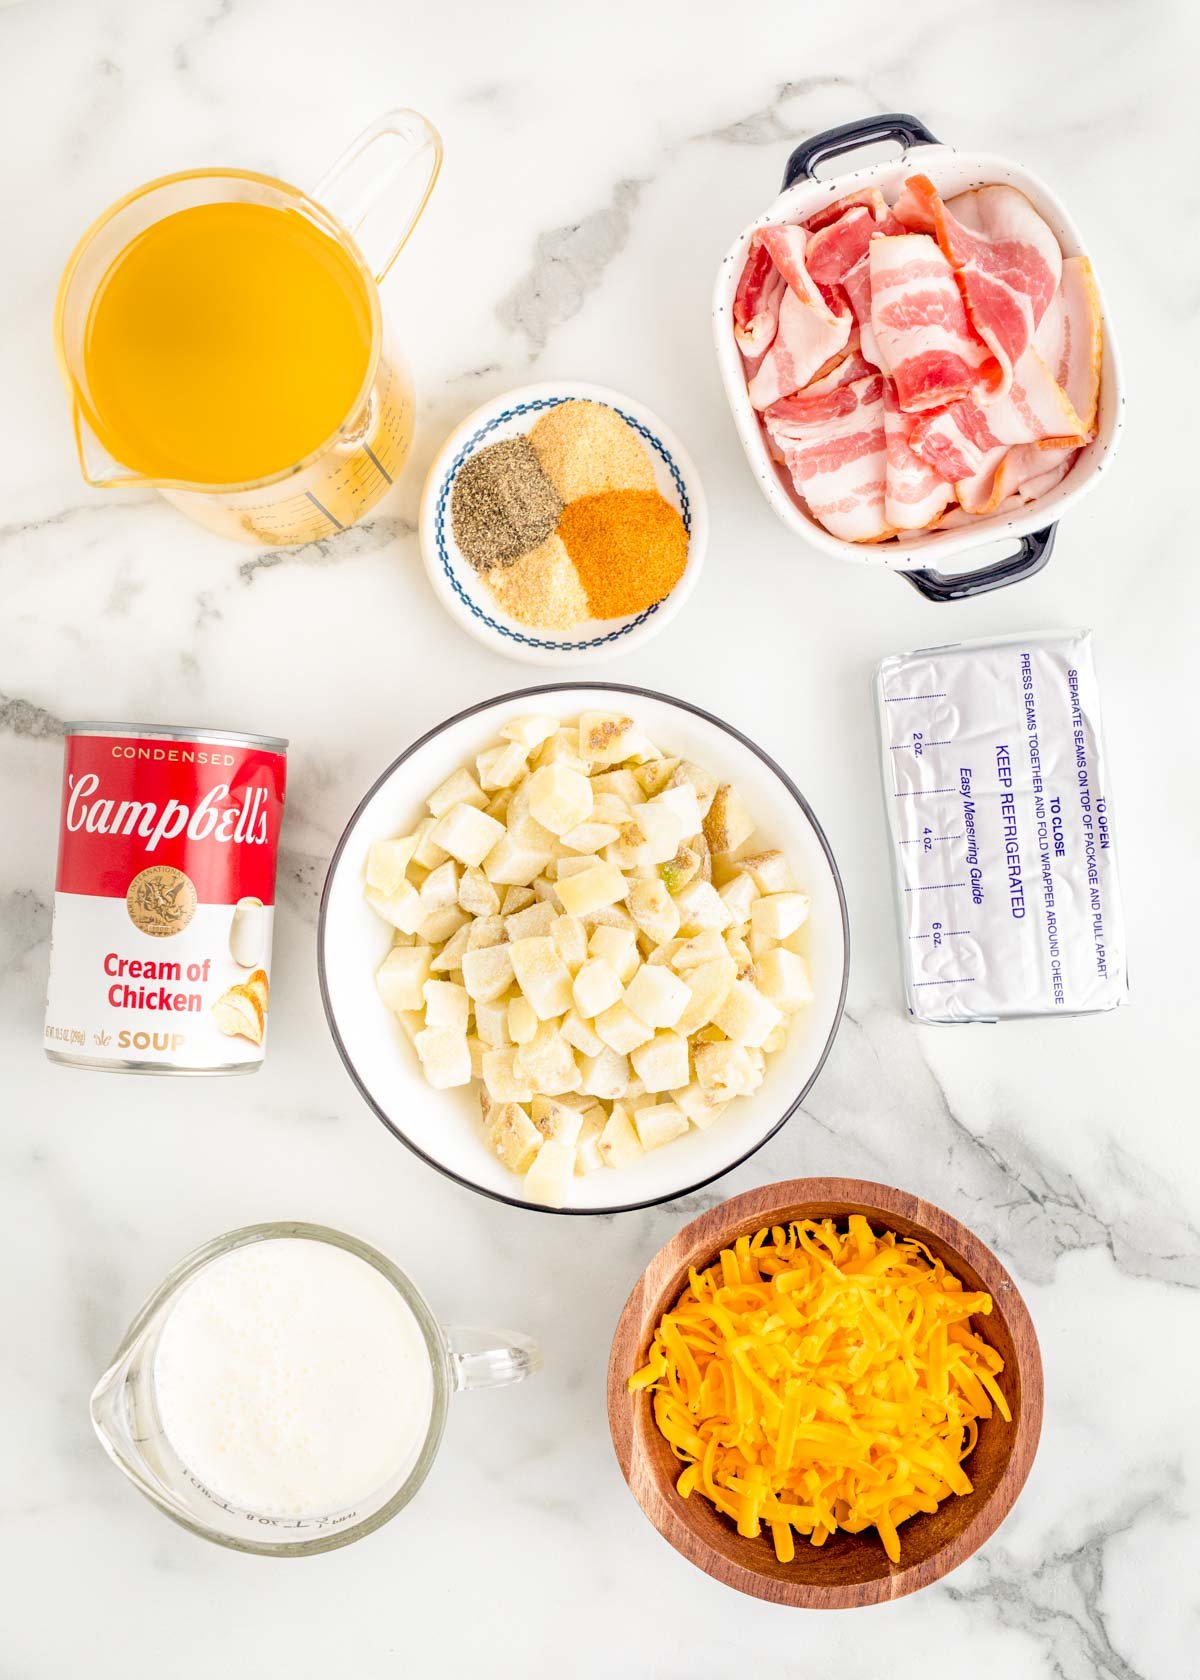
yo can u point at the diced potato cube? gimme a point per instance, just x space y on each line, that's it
618 784
500 767
550 1175
653 777
659 1123
662 1064
652 836
776 1041
386 862
498 805
708 985
591 837
486 930
563 867
703 947
701 1109
654 910
776 915
401 976
542 975
442 924
547 1062
501 1078
512 1136
511 864
559 798
570 938
467 834
516 898
413 1022
618 946
534 922
606 737
427 853
679 870
609 915
619 1144
621 1029
403 908
700 907
461 788
449 958
739 951
739 895
530 730
596 987
609 808
445 1058
522 1022
657 996
557 1120
580 1034
725 1070
491 1022
746 1016
605 1075
683 802
476 893
446 1005
592 889
561 748
691 775
587 1153
487 973
783 977
769 871
478 1050
439 889
728 824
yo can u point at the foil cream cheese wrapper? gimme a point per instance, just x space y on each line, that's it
1003 845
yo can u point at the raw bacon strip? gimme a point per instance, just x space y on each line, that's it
914 494
1007 260
846 368
834 447
756 301
1069 341
979 438
873 200
810 329
835 248
920 325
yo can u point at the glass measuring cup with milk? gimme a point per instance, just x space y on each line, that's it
221 339
285 1390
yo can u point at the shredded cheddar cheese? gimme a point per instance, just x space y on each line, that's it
818 1378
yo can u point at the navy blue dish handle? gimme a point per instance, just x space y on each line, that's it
910 131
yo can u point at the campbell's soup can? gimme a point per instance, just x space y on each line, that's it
160 950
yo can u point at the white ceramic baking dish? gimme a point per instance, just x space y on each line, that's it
951 172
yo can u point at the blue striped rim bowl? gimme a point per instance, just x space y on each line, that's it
464 593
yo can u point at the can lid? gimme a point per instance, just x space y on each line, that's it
175 732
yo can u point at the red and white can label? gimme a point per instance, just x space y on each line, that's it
164 902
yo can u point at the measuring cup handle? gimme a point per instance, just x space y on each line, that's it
379 186
491 1358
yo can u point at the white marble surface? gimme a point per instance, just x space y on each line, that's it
598 162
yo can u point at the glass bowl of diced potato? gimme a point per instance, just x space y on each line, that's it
583 947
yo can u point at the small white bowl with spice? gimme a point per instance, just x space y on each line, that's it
562 523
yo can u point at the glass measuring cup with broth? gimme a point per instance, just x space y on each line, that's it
221 338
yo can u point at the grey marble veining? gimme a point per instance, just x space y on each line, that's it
598 165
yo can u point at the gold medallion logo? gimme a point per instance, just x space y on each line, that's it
161 900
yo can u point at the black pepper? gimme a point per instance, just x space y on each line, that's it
502 504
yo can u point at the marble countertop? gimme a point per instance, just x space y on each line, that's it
598 162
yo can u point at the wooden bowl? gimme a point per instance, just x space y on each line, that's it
850 1569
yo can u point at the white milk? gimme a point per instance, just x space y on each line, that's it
292 1379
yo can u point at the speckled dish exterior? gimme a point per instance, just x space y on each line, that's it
951 172
464 593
